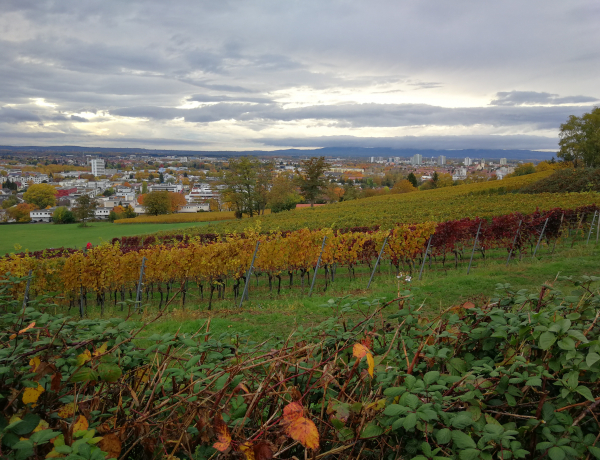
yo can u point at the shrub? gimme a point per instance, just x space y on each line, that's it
567 180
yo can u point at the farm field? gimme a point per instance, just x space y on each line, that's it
181 217
36 237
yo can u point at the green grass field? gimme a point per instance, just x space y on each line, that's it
35 237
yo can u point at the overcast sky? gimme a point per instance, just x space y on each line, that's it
252 74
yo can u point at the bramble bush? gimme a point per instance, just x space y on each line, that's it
517 378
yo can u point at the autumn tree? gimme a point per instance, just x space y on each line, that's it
40 195
176 201
20 212
524 169
283 195
62 215
403 186
155 203
247 184
580 139
310 178
84 209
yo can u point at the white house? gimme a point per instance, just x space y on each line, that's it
196 207
176 188
42 215
101 213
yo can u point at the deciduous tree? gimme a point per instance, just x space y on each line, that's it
84 209
40 195
580 139
310 178
20 212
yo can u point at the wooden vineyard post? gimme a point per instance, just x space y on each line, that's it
558 232
474 245
591 228
317 268
81 292
427 250
598 228
576 230
245 293
140 284
377 261
26 297
540 238
514 242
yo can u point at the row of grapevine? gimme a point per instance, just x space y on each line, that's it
111 269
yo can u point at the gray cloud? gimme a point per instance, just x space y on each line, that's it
515 98
348 64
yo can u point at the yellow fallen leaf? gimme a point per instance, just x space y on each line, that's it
31 395
101 350
66 411
34 363
81 424
247 450
43 425
27 328
84 357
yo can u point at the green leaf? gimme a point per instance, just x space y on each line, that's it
469 454
592 358
463 440
25 444
109 372
578 335
395 409
556 453
462 420
42 437
534 382
83 374
63 449
443 436
566 344
456 366
410 400
394 391
27 425
410 421
547 339
371 431
431 377
595 451
345 434
585 392
510 399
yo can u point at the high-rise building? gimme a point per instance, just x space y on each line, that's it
502 161
98 167
441 160
416 159
468 161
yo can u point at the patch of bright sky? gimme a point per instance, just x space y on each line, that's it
306 96
42 102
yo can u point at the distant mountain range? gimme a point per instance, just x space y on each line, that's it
343 152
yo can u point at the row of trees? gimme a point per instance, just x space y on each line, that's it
251 186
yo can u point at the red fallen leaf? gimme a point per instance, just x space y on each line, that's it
292 412
468 305
56 380
223 436
305 432
367 342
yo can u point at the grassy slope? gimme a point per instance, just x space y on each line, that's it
480 199
41 236
262 317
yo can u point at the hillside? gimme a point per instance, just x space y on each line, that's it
483 199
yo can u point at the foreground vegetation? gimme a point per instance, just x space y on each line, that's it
514 378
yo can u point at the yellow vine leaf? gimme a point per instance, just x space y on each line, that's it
31 395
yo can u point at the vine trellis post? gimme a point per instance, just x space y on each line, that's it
245 293
377 261
138 293
540 238
592 229
425 256
514 242
317 267
474 245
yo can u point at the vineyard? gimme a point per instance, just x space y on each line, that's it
485 199
220 264
181 218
